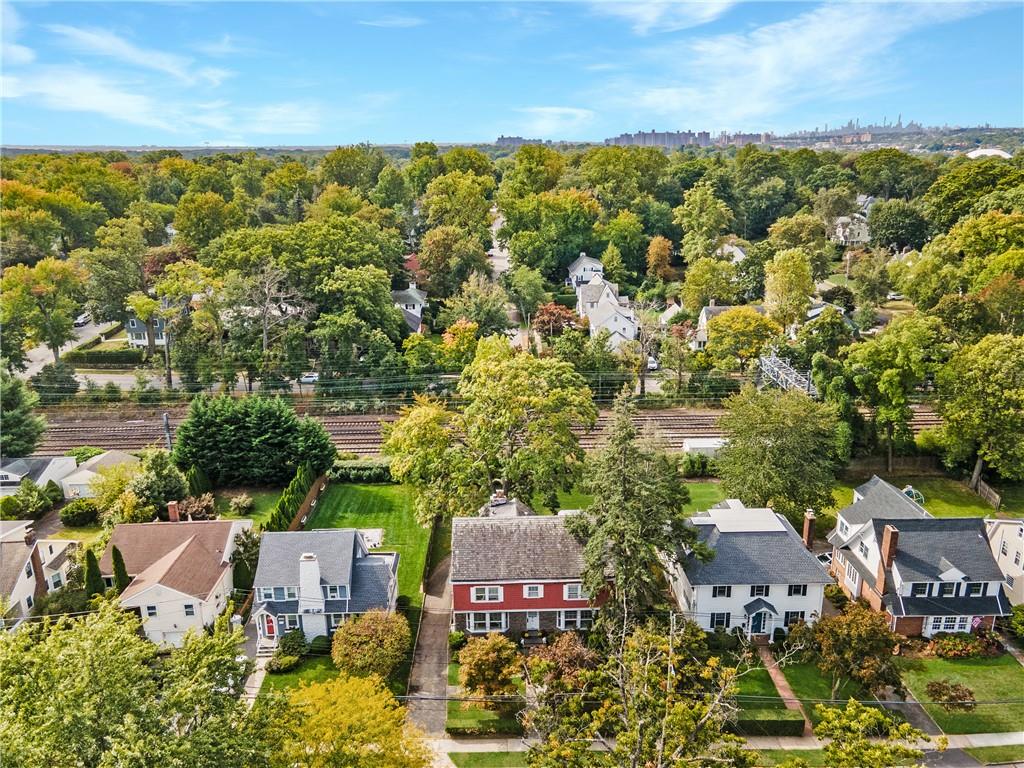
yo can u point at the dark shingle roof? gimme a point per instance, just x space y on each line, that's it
881 499
29 467
928 547
410 295
370 579
280 552
506 508
759 604
514 548
989 605
756 557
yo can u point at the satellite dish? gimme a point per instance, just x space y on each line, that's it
912 493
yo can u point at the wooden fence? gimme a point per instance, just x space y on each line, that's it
308 504
904 465
989 494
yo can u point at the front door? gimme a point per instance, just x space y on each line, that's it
270 626
757 623
532 620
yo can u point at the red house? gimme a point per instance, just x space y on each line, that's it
514 572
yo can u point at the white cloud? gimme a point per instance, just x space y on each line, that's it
663 15
553 122
284 118
11 52
101 42
393 22
76 90
226 45
743 80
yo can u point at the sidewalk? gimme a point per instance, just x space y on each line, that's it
782 686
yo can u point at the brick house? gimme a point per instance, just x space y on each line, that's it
517 572
925 574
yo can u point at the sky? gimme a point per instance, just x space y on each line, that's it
273 73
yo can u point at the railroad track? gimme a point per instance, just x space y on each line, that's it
362 434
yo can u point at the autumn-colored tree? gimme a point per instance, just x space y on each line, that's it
458 344
488 667
553 319
739 335
659 252
374 642
854 730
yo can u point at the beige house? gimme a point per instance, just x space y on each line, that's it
78 485
1006 540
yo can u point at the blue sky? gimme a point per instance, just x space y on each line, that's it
332 73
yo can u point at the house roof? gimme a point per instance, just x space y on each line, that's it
189 557
929 547
505 508
13 556
13 529
371 578
335 550
582 261
108 459
592 291
759 604
514 549
752 546
605 310
412 320
714 311
27 467
61 549
989 605
881 499
410 295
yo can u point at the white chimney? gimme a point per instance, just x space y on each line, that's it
412 285
311 597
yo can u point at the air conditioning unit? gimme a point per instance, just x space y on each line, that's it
312 610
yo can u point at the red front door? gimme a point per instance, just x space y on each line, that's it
270 626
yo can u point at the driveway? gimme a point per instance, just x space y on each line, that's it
498 255
428 681
37 357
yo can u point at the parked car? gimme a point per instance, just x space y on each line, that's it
652 364
82 320
893 296
309 378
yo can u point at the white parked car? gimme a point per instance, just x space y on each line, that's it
309 378
82 320
652 364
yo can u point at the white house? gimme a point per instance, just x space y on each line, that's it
411 301
709 446
731 251
926 575
851 230
78 485
1006 540
599 302
181 573
315 580
583 270
670 312
55 558
763 575
21 581
39 471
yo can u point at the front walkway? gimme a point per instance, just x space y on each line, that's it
428 680
783 687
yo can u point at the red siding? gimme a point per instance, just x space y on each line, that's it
513 600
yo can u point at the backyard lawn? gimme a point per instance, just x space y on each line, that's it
702 496
813 758
943 496
998 679
85 533
313 669
263 502
371 506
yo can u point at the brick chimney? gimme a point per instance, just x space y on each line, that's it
172 511
887 553
808 534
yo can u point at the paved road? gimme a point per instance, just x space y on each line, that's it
429 676
37 357
498 255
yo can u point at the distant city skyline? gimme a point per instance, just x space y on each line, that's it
273 74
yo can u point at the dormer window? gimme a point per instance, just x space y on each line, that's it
843 527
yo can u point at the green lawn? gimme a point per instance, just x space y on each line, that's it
263 502
313 669
481 721
440 544
810 685
995 755
1013 499
814 758
389 507
85 533
757 684
702 496
943 496
488 759
453 674
997 679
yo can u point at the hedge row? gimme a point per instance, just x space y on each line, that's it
361 471
565 301
768 722
290 501
86 356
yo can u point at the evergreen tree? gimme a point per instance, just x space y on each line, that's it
22 429
93 579
635 518
198 482
121 580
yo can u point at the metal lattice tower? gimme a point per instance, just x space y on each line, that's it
780 373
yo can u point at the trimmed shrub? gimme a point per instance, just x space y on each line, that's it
79 512
697 465
292 643
53 492
835 595
320 646
197 507
127 356
720 640
83 453
361 471
281 662
10 509
241 505
768 722
456 642
376 642
952 697
963 645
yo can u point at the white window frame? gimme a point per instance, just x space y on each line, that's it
1016 557
1009 581
862 549
581 594
720 620
917 585
28 570
190 609
981 587
333 592
793 617
335 620
851 573
721 590
289 621
150 611
948 589
539 588
480 622
576 618
797 590
1003 549
483 594
29 601
760 590
56 581
266 594
844 528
